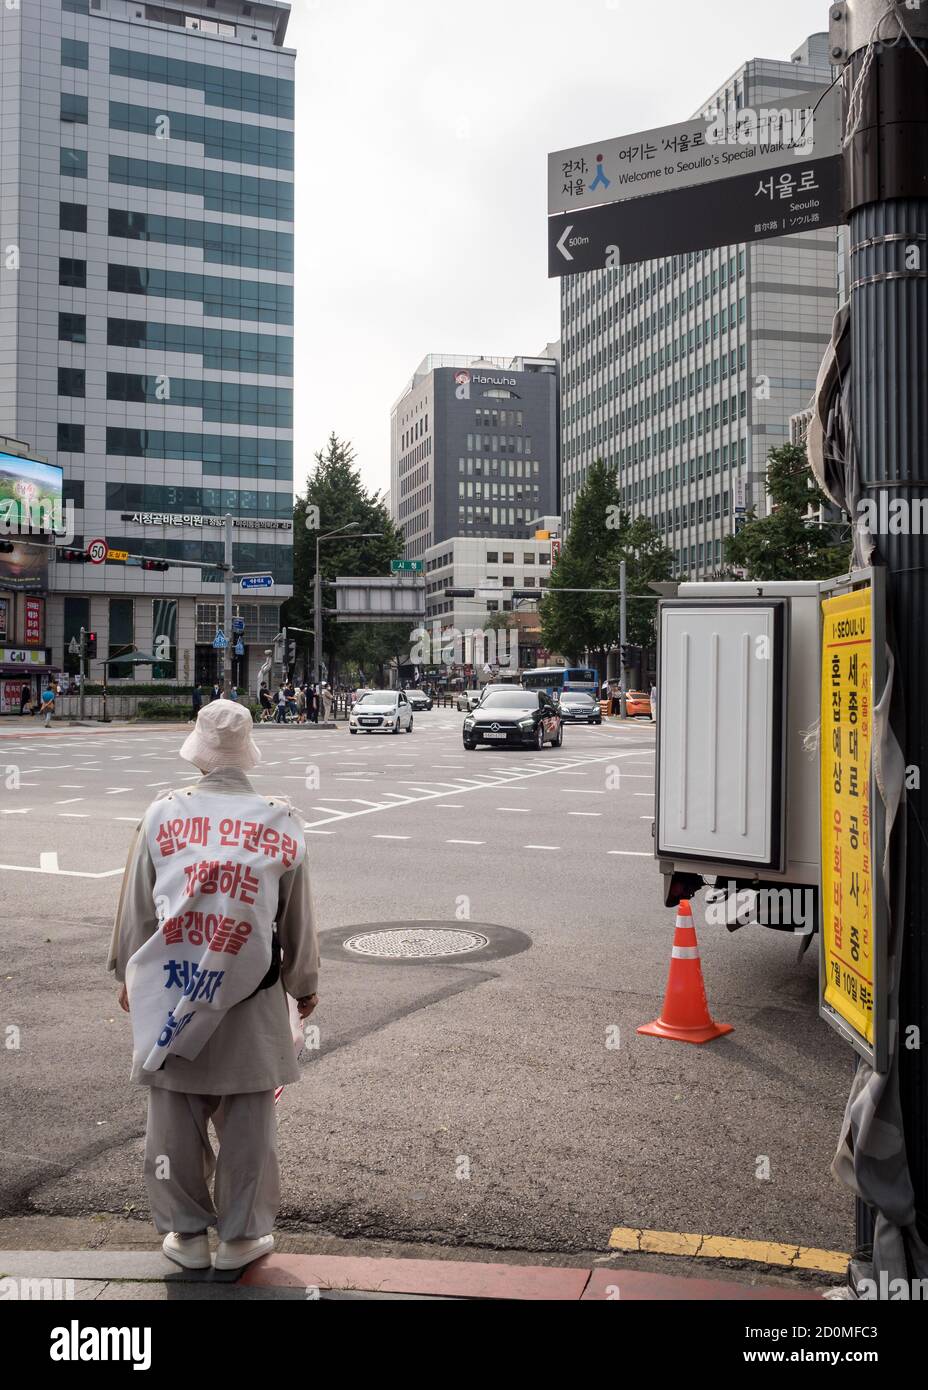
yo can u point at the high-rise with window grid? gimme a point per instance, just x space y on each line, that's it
146 333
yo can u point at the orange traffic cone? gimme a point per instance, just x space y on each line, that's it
685 1016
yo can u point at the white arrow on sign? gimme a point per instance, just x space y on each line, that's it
561 247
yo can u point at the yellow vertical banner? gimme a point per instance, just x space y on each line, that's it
847 823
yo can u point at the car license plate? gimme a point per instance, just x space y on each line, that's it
369 721
494 735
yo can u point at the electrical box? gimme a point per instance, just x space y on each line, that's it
738 691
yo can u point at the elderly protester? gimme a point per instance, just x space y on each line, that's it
214 929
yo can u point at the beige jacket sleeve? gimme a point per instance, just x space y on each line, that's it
296 929
136 919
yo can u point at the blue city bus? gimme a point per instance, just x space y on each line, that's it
558 679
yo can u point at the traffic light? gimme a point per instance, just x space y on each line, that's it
155 565
90 644
291 651
459 593
528 593
72 557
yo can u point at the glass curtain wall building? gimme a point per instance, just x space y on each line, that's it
146 336
683 373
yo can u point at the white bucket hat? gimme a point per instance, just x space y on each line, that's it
222 737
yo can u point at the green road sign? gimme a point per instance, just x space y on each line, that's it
405 566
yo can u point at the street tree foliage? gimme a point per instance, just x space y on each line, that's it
602 534
782 545
334 497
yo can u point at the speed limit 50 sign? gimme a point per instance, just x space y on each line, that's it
96 551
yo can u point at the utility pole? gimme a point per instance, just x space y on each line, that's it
884 49
623 634
227 605
83 670
317 620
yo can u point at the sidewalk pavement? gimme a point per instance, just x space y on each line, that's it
113 1275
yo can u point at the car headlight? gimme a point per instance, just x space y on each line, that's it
526 723
469 722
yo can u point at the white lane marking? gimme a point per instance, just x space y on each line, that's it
451 806
114 791
157 784
48 861
523 810
584 813
590 791
634 853
465 842
647 794
391 837
65 873
408 800
71 786
68 800
75 815
132 818
645 817
318 832
541 846
20 810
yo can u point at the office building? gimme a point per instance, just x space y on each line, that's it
474 448
146 163
683 373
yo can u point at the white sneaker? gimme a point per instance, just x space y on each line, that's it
190 1251
234 1254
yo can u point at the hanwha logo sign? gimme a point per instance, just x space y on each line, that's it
462 386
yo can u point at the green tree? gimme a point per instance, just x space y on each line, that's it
334 497
782 545
602 534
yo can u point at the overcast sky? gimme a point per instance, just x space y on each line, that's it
422 133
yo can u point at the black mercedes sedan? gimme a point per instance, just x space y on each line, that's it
514 718
576 705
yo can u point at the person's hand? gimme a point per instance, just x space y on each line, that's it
123 998
306 1005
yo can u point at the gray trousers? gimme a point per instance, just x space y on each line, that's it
179 1161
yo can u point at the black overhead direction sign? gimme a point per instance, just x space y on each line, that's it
801 195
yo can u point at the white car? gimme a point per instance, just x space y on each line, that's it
381 711
467 700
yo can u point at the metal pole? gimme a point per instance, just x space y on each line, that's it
623 634
317 621
886 203
80 693
227 606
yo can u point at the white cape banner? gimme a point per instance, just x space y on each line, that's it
218 863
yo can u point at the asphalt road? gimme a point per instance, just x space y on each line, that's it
501 1099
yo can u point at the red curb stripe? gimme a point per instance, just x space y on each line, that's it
448 1278
638 1285
471 1279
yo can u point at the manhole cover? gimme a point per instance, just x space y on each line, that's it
426 942
416 944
